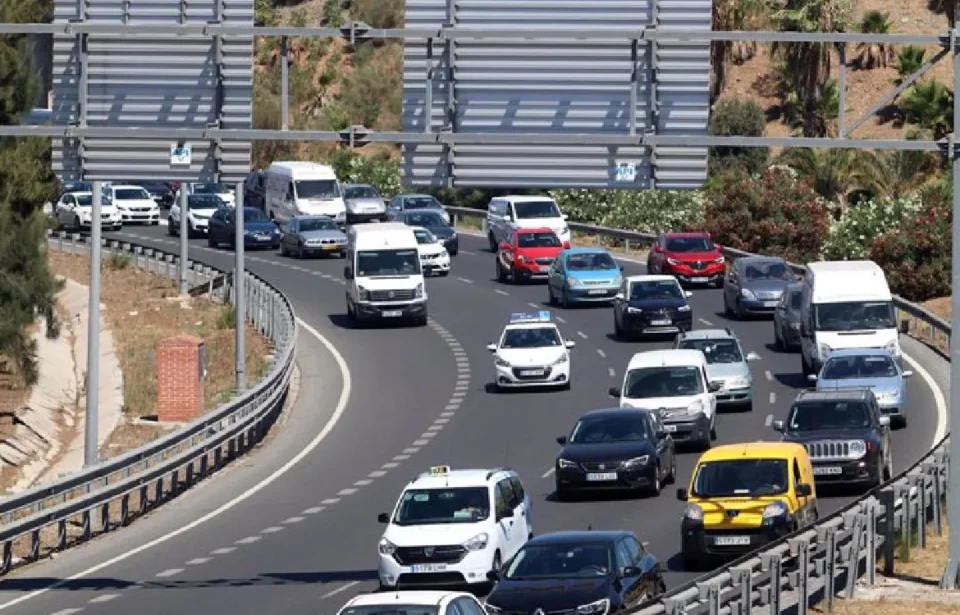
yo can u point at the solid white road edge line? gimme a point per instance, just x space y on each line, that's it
320 437
938 398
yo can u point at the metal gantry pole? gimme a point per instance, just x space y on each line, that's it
91 416
240 293
184 231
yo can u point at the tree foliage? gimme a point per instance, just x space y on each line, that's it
733 117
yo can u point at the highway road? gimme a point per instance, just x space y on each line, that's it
292 528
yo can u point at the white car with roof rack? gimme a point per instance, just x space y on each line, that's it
451 528
414 603
531 353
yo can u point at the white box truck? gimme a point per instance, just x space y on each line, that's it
845 304
295 188
383 275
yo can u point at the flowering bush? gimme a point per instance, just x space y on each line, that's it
851 236
646 211
916 257
773 213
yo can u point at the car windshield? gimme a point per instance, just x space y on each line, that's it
424 218
650 382
740 477
855 316
591 261
131 194
795 300
372 263
447 505
86 200
558 561
527 210
627 427
532 337
768 270
77 187
360 192
821 415
317 189
421 202
154 186
660 289
424 237
689 244
872 366
203 201
317 224
716 351
546 239
393 608
251 214
210 189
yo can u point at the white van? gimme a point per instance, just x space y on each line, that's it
294 188
508 213
383 274
845 304
675 385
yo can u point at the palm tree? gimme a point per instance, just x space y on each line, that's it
906 170
733 15
947 7
909 60
838 173
872 55
929 104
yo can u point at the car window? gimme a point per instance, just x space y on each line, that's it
360 192
538 240
768 270
518 488
689 244
817 416
538 337
796 300
467 606
527 210
717 351
424 218
797 477
648 382
502 498
443 505
623 555
315 224
628 427
559 561
872 366
658 289
739 477
636 549
513 499
393 608
131 194
590 261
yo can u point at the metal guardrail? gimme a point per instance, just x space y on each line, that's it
828 559
73 509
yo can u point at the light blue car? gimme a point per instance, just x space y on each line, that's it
584 275
871 368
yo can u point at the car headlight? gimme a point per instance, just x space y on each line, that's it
617 281
565 463
521 258
500 362
672 261
363 294
637 461
563 359
600 607
247 232
492 610
858 448
747 294
693 512
695 408
720 260
889 395
775 510
386 547
418 292
795 326
893 348
825 350
683 308
737 383
633 310
573 282
477 543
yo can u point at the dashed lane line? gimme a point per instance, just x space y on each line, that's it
548 473
169 572
769 421
773 397
601 352
706 322
103 598
501 292
582 334
612 372
769 375
338 590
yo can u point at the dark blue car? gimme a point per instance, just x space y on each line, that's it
259 231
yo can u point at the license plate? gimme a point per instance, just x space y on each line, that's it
597 291
263 237
661 323
531 372
829 471
598 476
329 248
428 567
699 280
770 303
731 541
670 428
544 268
392 313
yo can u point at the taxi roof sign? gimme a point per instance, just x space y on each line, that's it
518 317
439 470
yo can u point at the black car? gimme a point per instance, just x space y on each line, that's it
651 305
255 190
434 222
584 573
846 436
618 448
161 193
75 187
786 318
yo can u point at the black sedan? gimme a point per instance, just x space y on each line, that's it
651 305
434 222
619 448
259 231
160 192
587 573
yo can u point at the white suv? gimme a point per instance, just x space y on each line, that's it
134 204
508 213
453 527
414 602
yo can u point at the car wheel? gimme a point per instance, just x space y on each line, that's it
283 249
900 421
299 250
170 226
211 242
560 493
501 274
76 224
497 562
727 311
564 299
778 339
747 406
551 298
493 242
741 315
155 223
617 329
656 487
672 476
690 562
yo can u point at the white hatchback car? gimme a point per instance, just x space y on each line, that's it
134 204
434 258
74 210
531 353
453 527
414 603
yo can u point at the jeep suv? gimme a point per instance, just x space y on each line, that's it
726 364
692 258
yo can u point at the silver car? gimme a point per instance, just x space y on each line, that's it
726 364
309 235
754 285
363 203
867 368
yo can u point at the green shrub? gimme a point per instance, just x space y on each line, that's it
647 211
381 173
851 236
379 13
773 213
916 257
732 118
332 14
375 87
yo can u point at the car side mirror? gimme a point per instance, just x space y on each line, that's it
614 392
630 571
682 495
565 216
718 247
657 249
507 513
562 440
752 356
688 293
713 387
778 426
493 575
570 343
347 273
619 297
621 269
661 435
885 421
504 245
566 245
804 490
492 347
907 374
383 518
811 377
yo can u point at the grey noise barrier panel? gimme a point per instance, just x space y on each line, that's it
73 509
828 559
152 81
594 86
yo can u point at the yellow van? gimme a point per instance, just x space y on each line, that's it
743 496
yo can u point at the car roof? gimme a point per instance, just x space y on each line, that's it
415 195
524 198
531 230
614 412
650 278
752 450
418 212
586 250
578 536
667 358
125 186
760 259
357 186
532 325
847 394
420 597
859 352
457 478
688 234
708 334
311 217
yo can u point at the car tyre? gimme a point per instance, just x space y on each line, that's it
283 249
672 476
778 339
657 487
562 495
617 329
300 251
211 242
551 298
492 241
564 299
746 406
501 274
741 315
170 226
497 563
691 563
155 223
899 421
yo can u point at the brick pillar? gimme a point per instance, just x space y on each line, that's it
180 376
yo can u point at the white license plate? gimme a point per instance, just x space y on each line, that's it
597 291
770 303
544 268
531 372
699 280
661 323
599 476
428 567
731 541
832 470
670 428
392 313
263 237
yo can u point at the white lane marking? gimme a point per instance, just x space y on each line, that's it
347 491
390 465
534 305
582 334
342 588
273 529
197 561
223 550
377 474
401 457
434 428
249 540
411 450
561 320
465 280
428 434
759 358
330 501
453 405
314 510
773 397
169 572
601 353
104 598
296 519
612 372
67 611
468 252
706 322
769 421
548 473
769 375
441 421
448 414
937 397
421 442
213 514
363 482
501 292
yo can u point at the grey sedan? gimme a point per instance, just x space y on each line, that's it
308 235
755 285
786 319
364 203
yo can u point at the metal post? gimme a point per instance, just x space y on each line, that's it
951 574
240 294
428 81
634 77
842 87
284 83
184 231
91 416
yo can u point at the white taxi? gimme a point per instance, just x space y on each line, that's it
414 603
531 353
453 528
434 258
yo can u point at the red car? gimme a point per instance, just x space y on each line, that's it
692 258
528 255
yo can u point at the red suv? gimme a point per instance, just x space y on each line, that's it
529 254
692 258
